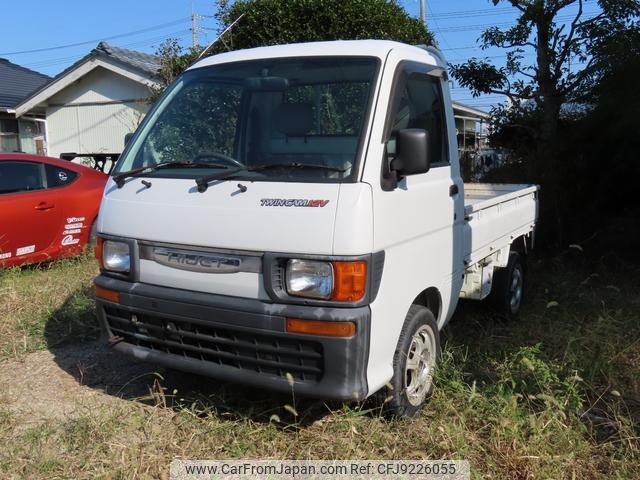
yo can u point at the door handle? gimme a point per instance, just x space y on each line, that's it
44 206
453 190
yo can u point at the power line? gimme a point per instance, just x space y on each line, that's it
435 22
70 59
88 42
473 13
481 26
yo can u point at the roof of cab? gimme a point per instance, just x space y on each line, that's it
358 48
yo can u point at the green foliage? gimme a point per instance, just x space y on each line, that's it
202 118
524 372
273 22
552 141
174 59
595 145
554 77
341 106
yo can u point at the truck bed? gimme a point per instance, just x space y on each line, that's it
496 214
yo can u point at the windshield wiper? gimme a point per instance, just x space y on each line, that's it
203 182
121 177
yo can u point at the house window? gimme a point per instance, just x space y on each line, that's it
9 141
29 135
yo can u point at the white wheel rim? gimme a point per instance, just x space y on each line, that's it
418 373
515 289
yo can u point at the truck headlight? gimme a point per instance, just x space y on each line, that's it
340 281
116 256
309 278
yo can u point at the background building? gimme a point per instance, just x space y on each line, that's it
27 133
90 106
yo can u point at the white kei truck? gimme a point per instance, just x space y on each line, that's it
293 217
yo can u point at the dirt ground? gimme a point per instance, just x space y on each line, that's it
60 384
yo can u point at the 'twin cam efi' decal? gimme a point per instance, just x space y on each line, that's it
292 202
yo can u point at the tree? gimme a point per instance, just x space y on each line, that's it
568 61
272 22
173 61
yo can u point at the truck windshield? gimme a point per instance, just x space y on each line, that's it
278 119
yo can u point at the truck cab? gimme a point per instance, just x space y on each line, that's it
294 217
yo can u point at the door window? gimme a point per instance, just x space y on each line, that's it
419 104
20 177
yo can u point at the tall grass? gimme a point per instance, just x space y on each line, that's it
555 394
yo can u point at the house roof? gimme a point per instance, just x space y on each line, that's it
138 66
17 82
145 63
466 110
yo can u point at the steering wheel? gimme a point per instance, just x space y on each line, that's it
219 156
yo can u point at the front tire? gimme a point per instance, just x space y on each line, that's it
413 364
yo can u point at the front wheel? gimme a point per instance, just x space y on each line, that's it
413 364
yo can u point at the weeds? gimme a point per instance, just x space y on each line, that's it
555 394
56 297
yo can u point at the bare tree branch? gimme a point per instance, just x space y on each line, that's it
568 42
561 5
579 77
592 20
526 74
517 44
518 5
556 37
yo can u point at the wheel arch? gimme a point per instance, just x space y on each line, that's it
431 299
522 244
93 223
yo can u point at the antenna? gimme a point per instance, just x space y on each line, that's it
219 36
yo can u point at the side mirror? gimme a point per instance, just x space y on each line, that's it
412 152
127 137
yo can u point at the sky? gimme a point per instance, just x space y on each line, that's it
39 27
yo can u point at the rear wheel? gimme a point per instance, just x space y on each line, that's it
508 287
413 364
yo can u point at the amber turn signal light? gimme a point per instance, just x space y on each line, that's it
350 281
325 328
106 294
97 251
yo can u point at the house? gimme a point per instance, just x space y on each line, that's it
93 104
471 124
26 133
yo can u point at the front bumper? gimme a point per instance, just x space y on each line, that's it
237 339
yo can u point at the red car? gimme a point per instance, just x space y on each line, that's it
48 207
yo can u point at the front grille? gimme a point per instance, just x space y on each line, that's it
198 339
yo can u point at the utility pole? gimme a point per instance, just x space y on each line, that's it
422 12
195 29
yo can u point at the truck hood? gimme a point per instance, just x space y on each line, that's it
267 216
